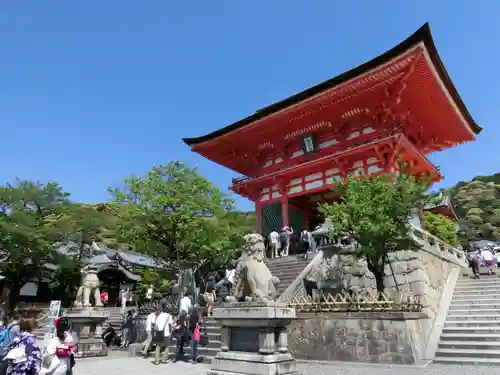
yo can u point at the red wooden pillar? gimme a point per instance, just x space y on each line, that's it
284 210
258 214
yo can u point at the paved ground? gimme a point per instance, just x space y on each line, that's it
120 365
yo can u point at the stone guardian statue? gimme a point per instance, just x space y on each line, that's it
255 282
90 285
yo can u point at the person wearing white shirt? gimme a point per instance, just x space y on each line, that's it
124 299
274 240
150 321
185 305
149 293
230 276
487 258
164 324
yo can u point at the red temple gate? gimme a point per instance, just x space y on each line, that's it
400 105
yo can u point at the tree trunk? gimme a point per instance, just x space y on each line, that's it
379 279
377 268
13 298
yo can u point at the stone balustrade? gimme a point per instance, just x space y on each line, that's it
438 247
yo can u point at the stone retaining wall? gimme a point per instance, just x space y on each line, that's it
393 338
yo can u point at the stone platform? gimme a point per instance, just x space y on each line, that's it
87 330
254 339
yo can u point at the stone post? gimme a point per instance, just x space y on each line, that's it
260 344
282 340
224 338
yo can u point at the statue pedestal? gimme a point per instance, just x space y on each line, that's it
86 324
253 339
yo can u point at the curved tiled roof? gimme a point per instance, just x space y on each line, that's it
422 35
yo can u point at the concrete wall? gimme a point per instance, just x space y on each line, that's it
394 338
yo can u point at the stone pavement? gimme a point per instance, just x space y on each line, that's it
120 365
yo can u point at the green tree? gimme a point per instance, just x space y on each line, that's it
156 278
26 233
81 224
173 214
66 278
441 227
377 213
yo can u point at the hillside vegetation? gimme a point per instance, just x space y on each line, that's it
477 204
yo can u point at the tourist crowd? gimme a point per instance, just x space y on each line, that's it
21 354
487 256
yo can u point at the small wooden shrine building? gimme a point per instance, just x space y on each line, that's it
400 105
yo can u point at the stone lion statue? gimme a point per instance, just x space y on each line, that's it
254 280
90 285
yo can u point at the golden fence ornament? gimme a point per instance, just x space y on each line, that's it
356 302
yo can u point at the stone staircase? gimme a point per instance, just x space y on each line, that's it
471 334
115 316
212 329
287 269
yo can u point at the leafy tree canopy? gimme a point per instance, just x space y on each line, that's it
26 231
377 213
441 227
477 204
176 215
155 278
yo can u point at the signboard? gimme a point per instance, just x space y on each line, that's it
29 289
54 309
308 144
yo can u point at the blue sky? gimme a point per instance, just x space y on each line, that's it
92 91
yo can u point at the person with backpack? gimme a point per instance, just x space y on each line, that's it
285 235
24 356
8 334
475 261
161 333
180 334
306 241
209 295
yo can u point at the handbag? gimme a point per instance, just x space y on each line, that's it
17 355
196 333
50 367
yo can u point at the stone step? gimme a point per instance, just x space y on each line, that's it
476 306
206 352
474 318
469 353
480 311
287 274
479 283
472 329
470 337
466 361
480 345
476 291
470 323
478 300
474 297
